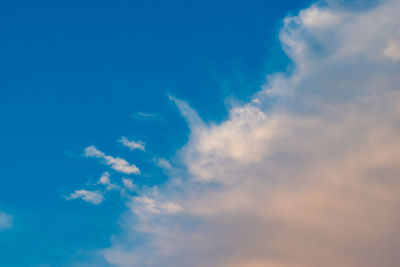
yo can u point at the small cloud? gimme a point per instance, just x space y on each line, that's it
6 221
143 116
93 197
132 145
163 163
128 184
104 179
118 164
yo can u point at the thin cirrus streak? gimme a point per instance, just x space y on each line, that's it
312 180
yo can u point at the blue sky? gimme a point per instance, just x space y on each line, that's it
75 74
145 133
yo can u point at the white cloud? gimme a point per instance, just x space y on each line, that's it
118 164
93 197
128 184
312 180
317 17
104 179
6 221
132 145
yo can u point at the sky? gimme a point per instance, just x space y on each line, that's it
212 133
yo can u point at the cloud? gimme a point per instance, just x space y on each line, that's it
6 221
152 205
105 180
103 185
190 115
132 145
93 197
141 116
117 164
163 163
311 180
128 184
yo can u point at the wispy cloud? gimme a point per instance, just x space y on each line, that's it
132 145
141 116
189 114
93 197
152 205
163 163
106 181
128 184
118 164
102 187
312 180
6 221
105 178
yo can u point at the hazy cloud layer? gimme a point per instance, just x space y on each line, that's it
311 181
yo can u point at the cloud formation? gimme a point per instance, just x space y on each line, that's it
106 181
132 145
128 184
311 180
6 221
118 164
93 197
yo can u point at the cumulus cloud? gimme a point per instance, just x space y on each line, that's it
6 221
118 164
311 180
93 197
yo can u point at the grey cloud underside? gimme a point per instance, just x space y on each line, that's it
313 181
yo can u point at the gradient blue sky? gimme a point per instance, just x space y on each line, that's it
75 73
